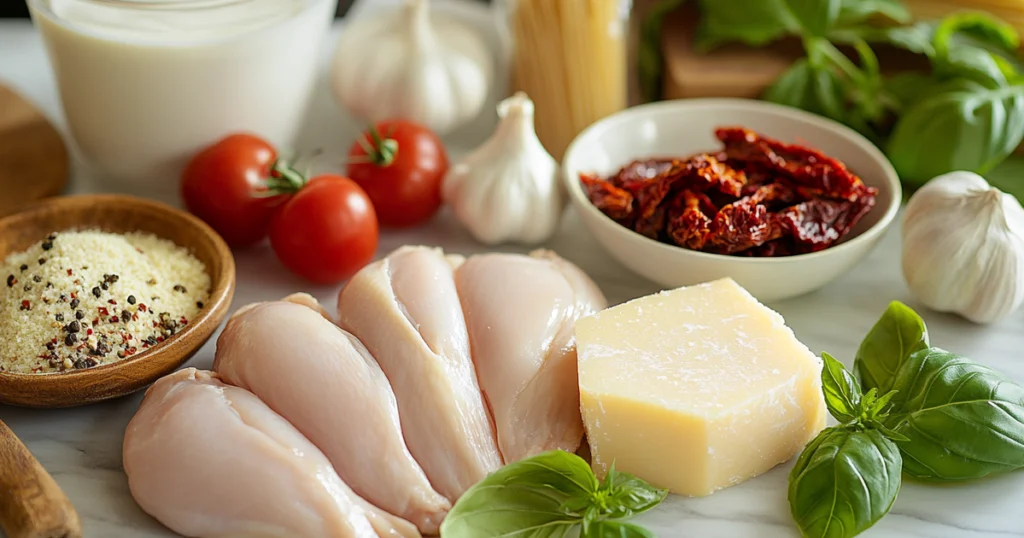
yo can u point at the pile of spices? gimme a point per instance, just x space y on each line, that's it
80 299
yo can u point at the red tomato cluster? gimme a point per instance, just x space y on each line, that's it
326 228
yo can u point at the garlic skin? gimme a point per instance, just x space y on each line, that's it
406 64
963 247
508 189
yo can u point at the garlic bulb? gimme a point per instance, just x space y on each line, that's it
408 65
508 189
963 247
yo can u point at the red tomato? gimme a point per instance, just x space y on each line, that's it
400 165
221 183
327 231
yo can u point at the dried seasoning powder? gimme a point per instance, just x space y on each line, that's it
80 299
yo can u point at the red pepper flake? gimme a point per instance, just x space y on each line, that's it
135 317
114 319
88 332
111 301
103 311
69 272
132 350
25 305
131 336
159 338
183 321
95 322
74 295
142 307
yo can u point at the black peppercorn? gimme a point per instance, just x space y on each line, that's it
23 267
42 261
79 314
70 339
131 299
96 292
50 346
179 287
74 327
105 286
47 245
37 278
199 304
59 317
74 303
11 281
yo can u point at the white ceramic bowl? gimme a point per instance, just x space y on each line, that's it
685 127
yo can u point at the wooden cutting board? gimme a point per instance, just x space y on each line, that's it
33 157
737 70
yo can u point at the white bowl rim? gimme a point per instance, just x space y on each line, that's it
892 178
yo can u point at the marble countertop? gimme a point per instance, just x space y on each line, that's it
81 447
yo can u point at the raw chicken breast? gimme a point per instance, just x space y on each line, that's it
210 460
406 311
520 311
325 382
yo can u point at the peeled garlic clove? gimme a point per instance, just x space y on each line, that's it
407 64
508 189
963 247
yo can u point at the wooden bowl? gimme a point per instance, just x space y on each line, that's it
118 214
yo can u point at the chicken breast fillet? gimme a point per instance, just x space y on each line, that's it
520 311
210 460
324 381
406 311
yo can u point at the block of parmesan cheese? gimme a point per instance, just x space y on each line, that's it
696 389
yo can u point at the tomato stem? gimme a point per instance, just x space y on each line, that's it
283 179
381 151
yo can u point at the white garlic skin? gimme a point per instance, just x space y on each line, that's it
409 65
963 247
509 188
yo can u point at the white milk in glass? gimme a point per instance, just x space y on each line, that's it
147 84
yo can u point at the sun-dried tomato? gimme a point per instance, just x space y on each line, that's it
804 166
756 197
613 201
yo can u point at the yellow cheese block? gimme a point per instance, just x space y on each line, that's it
696 389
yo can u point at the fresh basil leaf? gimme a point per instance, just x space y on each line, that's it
959 125
815 17
623 495
814 89
616 529
842 394
963 420
844 481
853 12
650 63
905 89
526 499
895 336
980 25
753 22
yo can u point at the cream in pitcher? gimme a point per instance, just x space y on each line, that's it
146 84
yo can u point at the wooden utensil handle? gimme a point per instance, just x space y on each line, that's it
32 505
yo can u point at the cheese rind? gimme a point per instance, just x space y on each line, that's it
696 389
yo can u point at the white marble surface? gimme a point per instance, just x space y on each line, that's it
82 447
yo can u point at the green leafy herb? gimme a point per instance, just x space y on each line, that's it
963 420
753 22
959 125
898 334
847 478
852 12
548 496
815 89
844 481
816 17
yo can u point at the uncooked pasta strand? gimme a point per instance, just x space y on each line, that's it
571 61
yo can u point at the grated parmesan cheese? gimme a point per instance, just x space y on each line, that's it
83 298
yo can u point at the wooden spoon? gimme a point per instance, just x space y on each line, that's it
33 505
33 157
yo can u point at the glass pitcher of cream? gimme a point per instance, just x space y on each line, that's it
145 84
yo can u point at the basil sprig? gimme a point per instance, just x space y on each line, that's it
963 420
941 418
848 477
549 496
